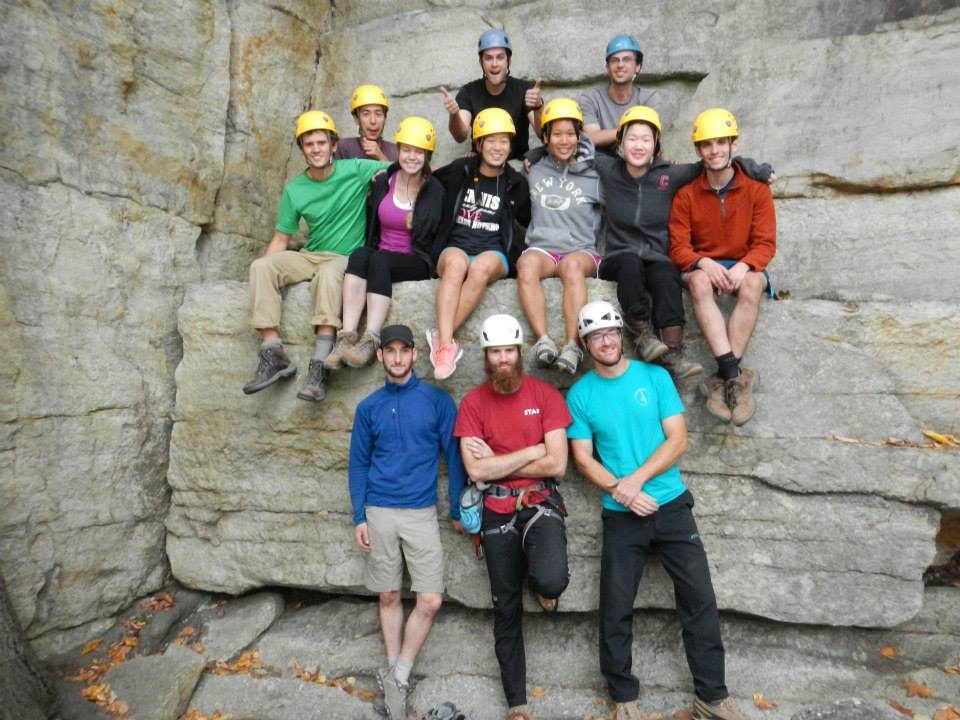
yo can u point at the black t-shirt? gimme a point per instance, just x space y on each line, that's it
473 97
476 227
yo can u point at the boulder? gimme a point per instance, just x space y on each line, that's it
157 687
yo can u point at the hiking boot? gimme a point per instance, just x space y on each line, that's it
647 346
519 712
272 365
679 367
739 396
394 694
360 353
714 388
570 357
725 709
315 387
545 352
446 360
549 605
345 339
626 711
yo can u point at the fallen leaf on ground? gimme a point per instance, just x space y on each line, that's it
248 664
315 677
900 708
763 704
160 602
952 669
942 439
889 652
104 696
136 624
538 692
184 635
947 713
91 645
194 714
917 689
197 648
683 715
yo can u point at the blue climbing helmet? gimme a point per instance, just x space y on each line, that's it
619 43
494 38
471 508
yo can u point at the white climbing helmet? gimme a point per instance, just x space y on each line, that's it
597 315
500 330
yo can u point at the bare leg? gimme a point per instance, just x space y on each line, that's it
532 267
391 621
354 296
707 312
268 334
378 307
419 623
452 270
574 268
484 269
743 319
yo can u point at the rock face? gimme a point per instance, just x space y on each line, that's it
142 152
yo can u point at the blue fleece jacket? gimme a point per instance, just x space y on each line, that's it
398 433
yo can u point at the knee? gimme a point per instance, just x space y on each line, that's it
389 599
428 604
260 266
699 284
453 269
570 273
527 272
752 287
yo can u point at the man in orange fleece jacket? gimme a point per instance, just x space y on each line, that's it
723 232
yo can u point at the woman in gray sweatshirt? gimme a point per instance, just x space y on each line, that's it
566 209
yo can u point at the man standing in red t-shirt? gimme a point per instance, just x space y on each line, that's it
723 234
513 440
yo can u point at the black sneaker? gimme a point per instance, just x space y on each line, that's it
272 365
315 387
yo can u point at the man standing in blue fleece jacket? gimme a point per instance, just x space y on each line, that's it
398 432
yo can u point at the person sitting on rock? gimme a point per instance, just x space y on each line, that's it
513 440
484 198
329 195
627 435
398 434
404 210
566 210
603 106
369 107
723 234
521 99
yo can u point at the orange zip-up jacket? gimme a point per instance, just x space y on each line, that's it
740 226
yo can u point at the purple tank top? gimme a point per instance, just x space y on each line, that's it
395 235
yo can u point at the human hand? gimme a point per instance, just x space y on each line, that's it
362 537
371 148
736 274
718 274
458 527
643 505
532 99
478 447
449 102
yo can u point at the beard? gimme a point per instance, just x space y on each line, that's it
505 381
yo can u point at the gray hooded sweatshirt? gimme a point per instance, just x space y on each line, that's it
566 202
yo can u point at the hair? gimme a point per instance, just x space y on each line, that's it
577 128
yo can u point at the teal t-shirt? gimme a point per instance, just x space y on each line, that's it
333 207
623 417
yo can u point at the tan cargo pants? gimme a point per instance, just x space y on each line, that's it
270 273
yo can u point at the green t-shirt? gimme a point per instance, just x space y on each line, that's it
333 207
623 416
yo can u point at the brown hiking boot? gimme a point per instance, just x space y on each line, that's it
519 712
345 339
360 353
679 367
648 346
272 365
626 711
725 709
315 386
739 396
714 388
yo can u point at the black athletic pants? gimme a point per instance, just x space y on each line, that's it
382 269
542 559
627 540
636 277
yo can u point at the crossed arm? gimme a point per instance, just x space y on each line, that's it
628 490
545 459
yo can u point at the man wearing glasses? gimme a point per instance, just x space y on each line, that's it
630 414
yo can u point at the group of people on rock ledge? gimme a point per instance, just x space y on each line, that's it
377 213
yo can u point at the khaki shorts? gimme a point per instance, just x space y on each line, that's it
398 534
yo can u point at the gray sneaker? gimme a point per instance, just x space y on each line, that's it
360 353
545 352
725 709
272 365
679 367
334 361
394 694
570 357
315 387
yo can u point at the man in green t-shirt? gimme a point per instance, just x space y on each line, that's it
329 195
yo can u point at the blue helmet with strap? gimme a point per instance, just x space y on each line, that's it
494 38
619 43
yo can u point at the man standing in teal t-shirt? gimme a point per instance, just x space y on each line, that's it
630 414
330 196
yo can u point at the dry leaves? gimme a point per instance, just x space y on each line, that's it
762 703
889 652
315 677
184 635
90 646
105 697
947 713
538 692
942 439
917 689
194 714
248 664
900 708
160 602
953 669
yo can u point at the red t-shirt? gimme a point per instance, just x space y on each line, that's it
508 423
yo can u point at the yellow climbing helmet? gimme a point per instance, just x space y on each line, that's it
368 95
418 132
639 113
560 109
714 123
315 120
492 121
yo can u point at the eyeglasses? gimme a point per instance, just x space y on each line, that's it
626 59
603 335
